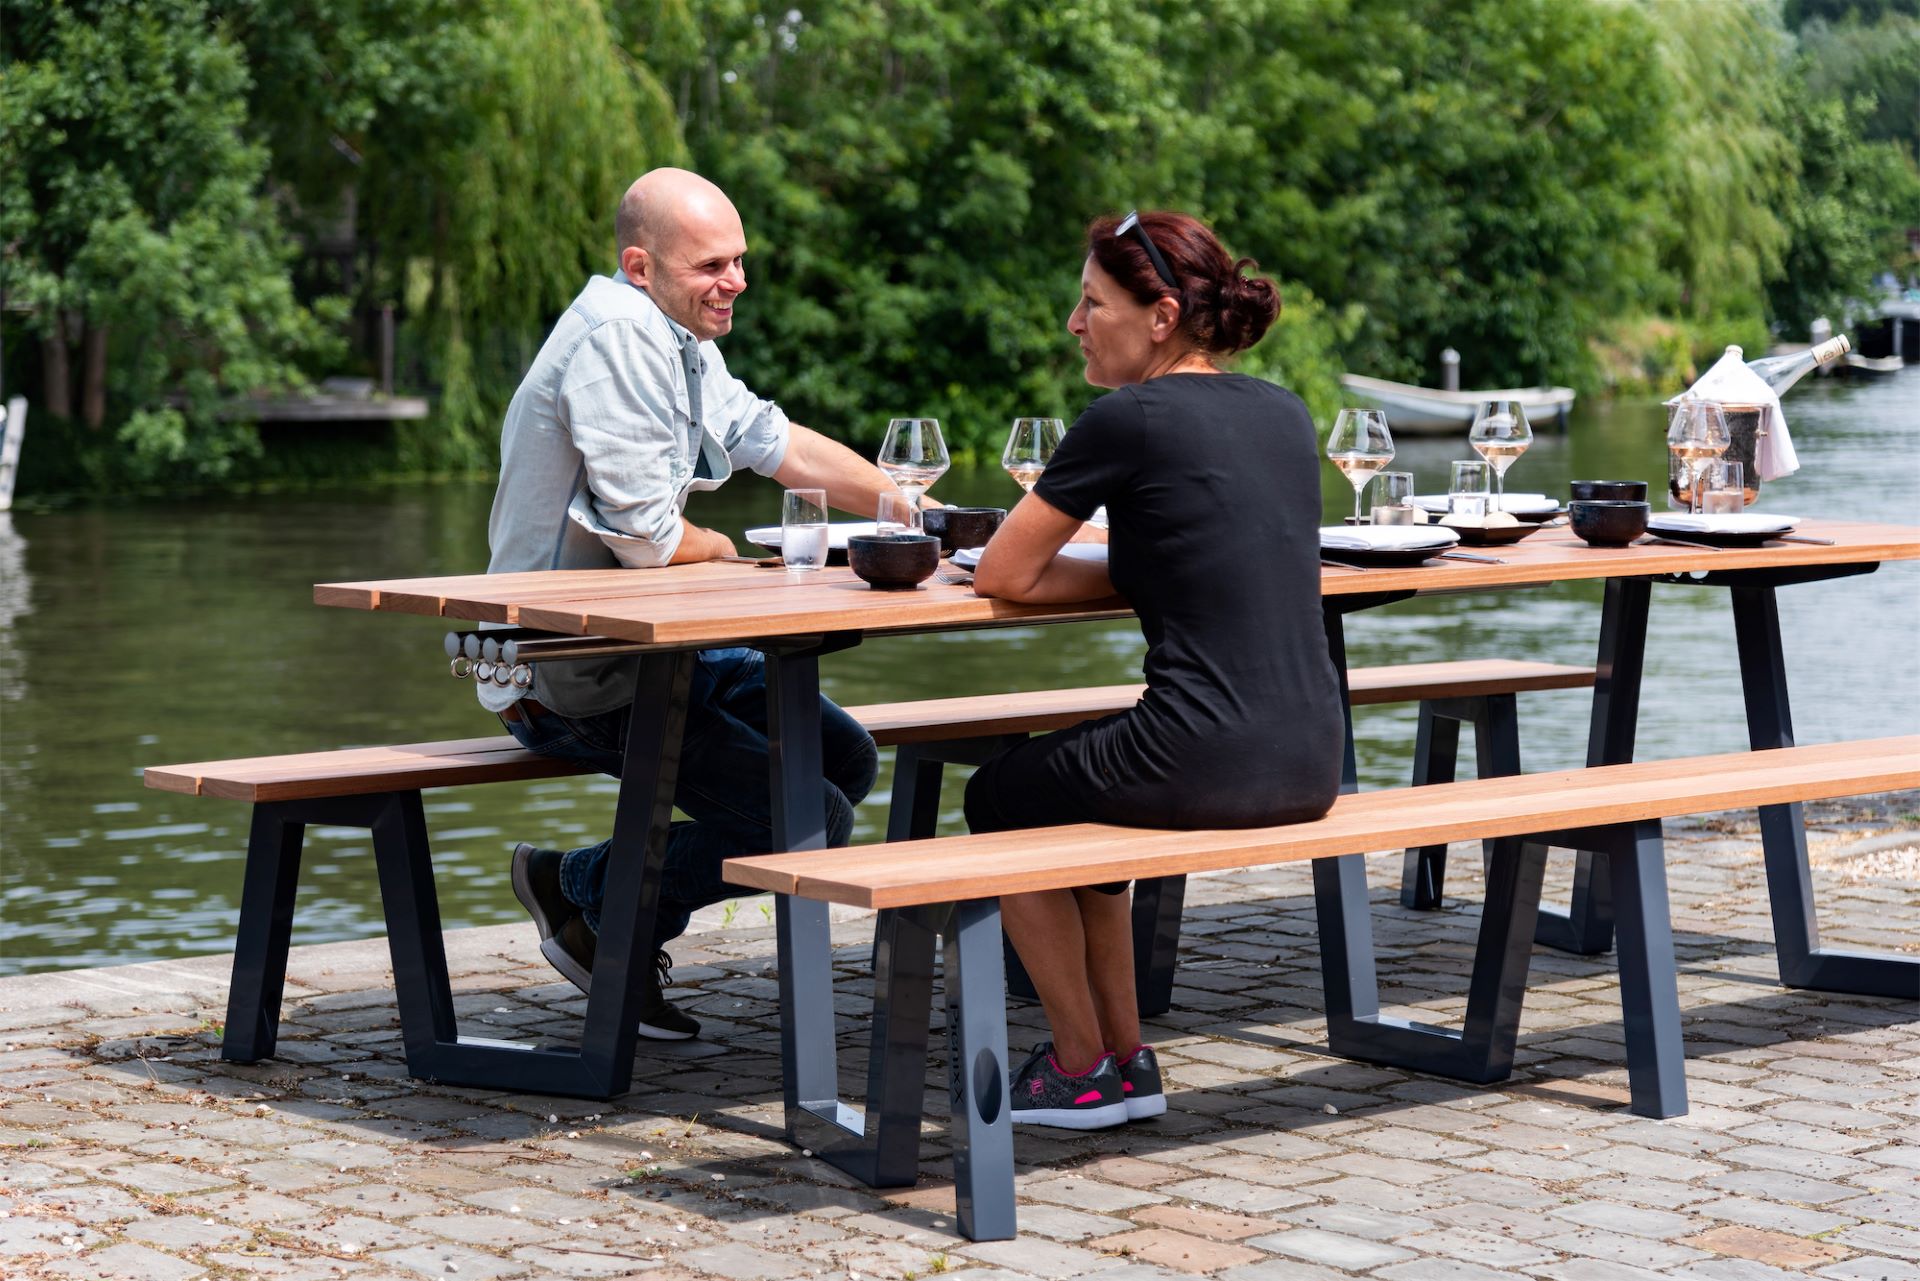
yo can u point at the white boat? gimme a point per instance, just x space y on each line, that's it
1429 411
1855 363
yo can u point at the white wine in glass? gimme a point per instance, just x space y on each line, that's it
1696 435
1500 435
1030 446
913 455
1359 446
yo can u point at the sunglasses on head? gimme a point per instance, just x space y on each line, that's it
1132 223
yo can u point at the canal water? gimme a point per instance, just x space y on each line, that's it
149 633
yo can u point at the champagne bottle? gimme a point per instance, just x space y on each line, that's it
1782 372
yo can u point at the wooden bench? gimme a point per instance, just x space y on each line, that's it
379 788
950 886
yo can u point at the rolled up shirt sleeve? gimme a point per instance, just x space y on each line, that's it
753 431
617 401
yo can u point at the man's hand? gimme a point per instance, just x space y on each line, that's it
697 543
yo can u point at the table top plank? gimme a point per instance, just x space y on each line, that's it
902 874
725 602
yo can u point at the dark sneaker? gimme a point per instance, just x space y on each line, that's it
1045 1094
1140 1084
659 1019
536 883
570 951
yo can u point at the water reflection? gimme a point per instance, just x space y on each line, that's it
153 633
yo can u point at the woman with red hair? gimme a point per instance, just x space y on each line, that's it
1212 487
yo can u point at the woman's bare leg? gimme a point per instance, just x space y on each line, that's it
1107 920
1046 930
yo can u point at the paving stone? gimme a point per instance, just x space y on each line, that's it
1657 1224
124 1263
445 1262
1176 1250
1776 1249
1331 1249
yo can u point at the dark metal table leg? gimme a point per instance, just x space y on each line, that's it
1804 963
1586 927
1436 754
1158 903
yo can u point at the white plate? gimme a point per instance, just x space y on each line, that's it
1519 504
1722 523
969 557
1379 538
838 532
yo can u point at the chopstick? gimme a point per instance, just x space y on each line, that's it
1677 542
1484 560
1340 564
1801 538
749 560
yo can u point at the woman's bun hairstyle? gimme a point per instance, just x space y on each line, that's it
1223 308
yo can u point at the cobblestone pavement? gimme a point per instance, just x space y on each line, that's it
132 1151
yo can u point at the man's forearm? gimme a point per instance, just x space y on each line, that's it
814 462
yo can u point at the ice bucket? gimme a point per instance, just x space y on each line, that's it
1745 424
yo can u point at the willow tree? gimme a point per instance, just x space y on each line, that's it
1730 170
477 153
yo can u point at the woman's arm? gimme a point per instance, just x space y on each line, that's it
1022 561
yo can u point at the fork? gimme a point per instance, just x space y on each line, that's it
955 577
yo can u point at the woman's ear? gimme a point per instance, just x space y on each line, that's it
1166 318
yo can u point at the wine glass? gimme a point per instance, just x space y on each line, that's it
1359 446
1030 447
913 455
1696 435
1500 434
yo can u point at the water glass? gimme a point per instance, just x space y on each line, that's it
803 528
897 514
1726 490
1393 498
1467 489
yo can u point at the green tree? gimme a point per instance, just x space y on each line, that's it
475 159
153 269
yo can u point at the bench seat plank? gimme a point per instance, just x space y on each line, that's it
1039 711
959 868
362 771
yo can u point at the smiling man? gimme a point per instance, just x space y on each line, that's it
627 409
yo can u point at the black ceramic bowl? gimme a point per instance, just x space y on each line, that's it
1631 491
1609 522
958 527
894 562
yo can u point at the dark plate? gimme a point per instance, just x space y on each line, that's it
1495 535
835 555
1717 539
1537 518
1382 557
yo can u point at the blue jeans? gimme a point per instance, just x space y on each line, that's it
725 783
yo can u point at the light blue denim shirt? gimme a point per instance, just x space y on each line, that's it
622 414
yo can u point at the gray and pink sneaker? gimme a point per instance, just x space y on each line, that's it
1044 1093
1140 1083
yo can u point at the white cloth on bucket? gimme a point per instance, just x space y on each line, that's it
1732 383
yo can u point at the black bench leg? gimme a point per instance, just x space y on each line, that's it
1483 1050
414 939
977 1073
266 928
1158 903
1649 985
1804 963
914 811
880 1147
1436 750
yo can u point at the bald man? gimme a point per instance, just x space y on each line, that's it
627 409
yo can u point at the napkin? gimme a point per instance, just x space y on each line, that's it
1731 382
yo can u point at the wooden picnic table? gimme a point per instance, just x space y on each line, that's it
797 618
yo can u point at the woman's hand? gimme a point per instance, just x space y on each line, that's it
1022 561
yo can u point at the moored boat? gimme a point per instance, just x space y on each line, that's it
1429 411
1855 363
